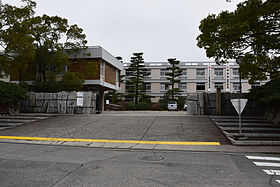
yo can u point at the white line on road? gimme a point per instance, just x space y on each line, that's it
272 172
263 158
270 164
278 181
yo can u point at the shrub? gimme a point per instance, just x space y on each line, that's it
123 104
156 106
145 100
181 102
45 87
130 106
11 94
143 106
267 95
71 82
163 103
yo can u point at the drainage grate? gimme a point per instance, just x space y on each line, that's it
151 158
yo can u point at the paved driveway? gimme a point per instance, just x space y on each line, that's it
147 125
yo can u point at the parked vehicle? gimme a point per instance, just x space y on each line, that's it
172 105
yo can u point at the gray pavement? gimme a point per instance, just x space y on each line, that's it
139 126
157 126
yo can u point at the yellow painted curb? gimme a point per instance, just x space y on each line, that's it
107 141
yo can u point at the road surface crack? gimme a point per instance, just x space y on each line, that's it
148 129
69 173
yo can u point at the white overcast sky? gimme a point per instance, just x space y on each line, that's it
161 29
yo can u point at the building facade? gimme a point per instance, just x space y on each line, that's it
196 77
100 69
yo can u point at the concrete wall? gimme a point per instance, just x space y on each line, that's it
191 87
155 87
191 73
274 116
61 103
155 73
251 108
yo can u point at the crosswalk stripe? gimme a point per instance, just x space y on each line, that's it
278 181
272 172
270 164
263 158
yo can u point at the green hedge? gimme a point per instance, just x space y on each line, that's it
267 95
143 106
11 94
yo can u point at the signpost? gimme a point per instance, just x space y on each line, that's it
239 105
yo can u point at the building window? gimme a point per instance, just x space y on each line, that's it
200 86
236 87
200 73
163 72
163 87
235 73
219 73
147 73
128 87
219 85
148 87
183 86
184 73
128 73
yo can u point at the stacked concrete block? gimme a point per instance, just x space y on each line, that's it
192 102
29 104
61 103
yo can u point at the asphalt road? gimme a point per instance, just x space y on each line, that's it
44 165
138 165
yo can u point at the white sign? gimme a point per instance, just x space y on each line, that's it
209 78
107 102
239 104
80 98
80 101
227 78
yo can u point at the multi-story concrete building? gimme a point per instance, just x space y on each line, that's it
196 77
100 69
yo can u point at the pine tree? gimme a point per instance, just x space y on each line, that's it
173 73
136 85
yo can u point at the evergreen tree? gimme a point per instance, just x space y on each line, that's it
35 45
173 73
252 32
135 83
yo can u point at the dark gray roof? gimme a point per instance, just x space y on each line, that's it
97 52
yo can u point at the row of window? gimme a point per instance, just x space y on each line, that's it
200 73
183 86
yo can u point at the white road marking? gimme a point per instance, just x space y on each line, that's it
278 181
270 164
263 158
272 172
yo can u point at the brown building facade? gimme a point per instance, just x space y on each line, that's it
100 68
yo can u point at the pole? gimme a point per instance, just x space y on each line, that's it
240 87
51 67
239 108
239 104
